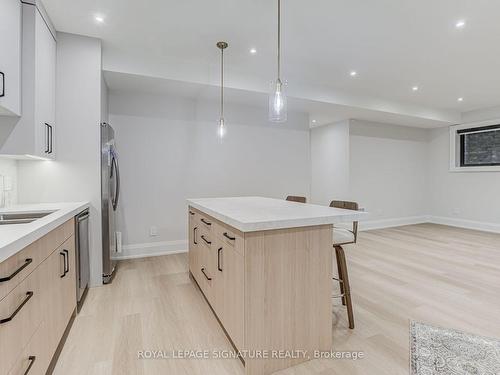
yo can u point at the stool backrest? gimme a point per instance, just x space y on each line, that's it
347 205
294 198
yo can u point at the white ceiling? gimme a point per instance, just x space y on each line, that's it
322 113
392 44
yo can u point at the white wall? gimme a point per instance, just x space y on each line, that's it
75 175
400 175
382 167
330 163
169 151
8 169
388 172
470 199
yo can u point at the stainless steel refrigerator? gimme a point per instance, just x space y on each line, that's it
110 193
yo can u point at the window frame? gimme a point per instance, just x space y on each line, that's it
456 147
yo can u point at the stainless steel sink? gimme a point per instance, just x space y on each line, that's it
21 217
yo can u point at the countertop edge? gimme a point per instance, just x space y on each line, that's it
272 225
17 245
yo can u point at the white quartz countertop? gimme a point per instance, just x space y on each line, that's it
250 214
15 237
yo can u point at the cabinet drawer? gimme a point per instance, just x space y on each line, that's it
52 240
206 222
230 237
17 267
205 282
20 316
204 239
206 271
35 358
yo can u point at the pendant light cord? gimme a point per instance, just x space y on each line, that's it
279 40
222 83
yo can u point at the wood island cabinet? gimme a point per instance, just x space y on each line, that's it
270 290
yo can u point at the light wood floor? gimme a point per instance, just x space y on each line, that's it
440 275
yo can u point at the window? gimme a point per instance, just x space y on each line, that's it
475 147
480 146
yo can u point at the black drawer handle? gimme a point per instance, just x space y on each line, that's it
203 271
228 236
6 320
194 235
205 222
31 358
191 212
64 259
12 275
204 239
47 137
218 259
3 84
51 138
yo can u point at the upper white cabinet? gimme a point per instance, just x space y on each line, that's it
35 133
10 57
45 87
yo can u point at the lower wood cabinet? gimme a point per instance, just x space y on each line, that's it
230 289
59 294
219 271
35 357
35 312
20 316
194 250
270 290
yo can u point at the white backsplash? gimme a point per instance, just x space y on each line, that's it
8 182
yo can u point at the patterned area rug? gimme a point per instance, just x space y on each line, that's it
439 351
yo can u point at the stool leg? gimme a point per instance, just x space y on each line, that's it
347 290
339 269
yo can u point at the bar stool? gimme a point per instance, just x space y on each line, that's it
294 198
342 236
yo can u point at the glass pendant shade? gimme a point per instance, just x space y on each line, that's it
277 96
222 128
277 102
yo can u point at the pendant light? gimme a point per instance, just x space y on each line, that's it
277 97
222 127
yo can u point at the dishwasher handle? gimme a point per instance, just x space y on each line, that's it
83 216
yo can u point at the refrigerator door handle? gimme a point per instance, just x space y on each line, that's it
114 167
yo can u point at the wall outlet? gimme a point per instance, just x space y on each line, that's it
153 231
119 247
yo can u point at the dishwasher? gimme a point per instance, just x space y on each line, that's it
82 256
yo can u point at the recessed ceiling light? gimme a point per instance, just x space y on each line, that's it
460 99
98 18
415 88
353 73
253 51
460 24
313 121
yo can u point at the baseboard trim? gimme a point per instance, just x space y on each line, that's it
464 223
152 249
390 223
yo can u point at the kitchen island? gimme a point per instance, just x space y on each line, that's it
265 267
